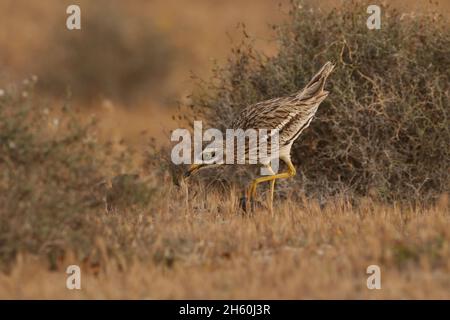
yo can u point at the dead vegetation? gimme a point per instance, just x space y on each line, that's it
68 198
206 250
384 129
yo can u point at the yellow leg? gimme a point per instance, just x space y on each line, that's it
290 173
272 190
253 185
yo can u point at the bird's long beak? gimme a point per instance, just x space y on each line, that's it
192 169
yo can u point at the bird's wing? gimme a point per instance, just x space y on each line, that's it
269 114
291 114
276 113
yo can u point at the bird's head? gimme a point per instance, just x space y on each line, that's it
211 157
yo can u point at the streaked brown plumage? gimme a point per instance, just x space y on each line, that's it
291 115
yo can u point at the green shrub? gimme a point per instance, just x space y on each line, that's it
384 130
53 193
48 165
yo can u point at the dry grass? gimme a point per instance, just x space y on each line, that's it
207 250
161 241
158 241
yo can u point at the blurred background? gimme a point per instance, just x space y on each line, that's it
131 64
86 178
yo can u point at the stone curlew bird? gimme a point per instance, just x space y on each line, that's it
290 115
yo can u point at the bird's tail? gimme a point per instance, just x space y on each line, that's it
315 87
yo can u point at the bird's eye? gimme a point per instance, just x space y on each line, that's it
209 155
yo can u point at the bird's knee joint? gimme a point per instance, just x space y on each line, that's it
293 172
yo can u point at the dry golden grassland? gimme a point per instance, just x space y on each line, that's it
207 250
159 239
